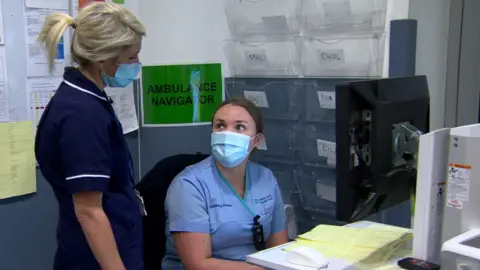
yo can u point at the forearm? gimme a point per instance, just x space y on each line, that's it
98 232
218 264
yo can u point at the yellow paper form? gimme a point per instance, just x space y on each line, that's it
17 159
366 248
349 236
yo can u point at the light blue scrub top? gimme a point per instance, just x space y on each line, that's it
200 200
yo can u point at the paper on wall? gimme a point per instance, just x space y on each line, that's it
39 93
4 95
77 4
2 31
124 107
37 64
17 169
52 4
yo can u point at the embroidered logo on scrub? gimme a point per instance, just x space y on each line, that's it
263 200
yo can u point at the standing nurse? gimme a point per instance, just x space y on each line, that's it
80 146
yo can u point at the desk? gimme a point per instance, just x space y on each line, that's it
276 258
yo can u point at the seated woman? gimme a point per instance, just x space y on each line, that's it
217 207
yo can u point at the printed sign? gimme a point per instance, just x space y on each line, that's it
181 94
458 182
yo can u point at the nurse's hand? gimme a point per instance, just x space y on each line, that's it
97 229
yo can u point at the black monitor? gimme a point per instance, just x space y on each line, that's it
378 125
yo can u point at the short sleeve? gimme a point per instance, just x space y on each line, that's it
186 208
85 150
278 219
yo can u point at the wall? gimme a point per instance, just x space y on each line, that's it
180 31
432 46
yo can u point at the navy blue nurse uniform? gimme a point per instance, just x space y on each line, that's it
80 147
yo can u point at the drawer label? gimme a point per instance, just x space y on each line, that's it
331 59
256 59
259 98
326 99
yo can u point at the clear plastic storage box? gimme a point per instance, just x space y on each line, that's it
309 219
319 103
266 58
317 186
321 16
316 144
285 174
276 100
279 141
263 17
343 56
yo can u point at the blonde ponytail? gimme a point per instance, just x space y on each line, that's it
51 33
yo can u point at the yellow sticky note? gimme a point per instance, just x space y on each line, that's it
349 236
17 159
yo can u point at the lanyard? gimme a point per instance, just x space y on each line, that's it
242 201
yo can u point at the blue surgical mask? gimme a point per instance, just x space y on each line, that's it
230 148
125 75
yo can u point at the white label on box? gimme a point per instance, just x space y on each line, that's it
256 59
327 192
337 10
331 59
332 161
327 149
263 144
259 98
275 23
458 182
326 99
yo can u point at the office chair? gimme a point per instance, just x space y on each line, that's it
153 188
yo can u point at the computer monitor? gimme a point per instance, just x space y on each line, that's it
378 124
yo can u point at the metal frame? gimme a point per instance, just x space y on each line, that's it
463 64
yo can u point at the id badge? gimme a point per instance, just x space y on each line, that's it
141 204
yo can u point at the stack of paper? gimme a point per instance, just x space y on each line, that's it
365 247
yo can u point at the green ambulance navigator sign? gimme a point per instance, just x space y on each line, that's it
181 94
